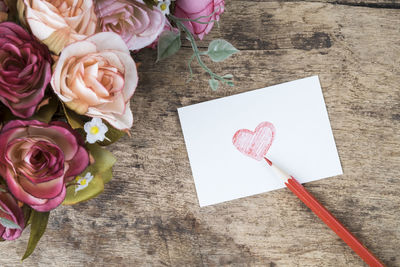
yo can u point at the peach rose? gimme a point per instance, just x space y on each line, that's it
58 23
97 77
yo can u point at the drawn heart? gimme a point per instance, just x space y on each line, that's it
255 144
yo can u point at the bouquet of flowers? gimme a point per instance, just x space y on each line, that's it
66 79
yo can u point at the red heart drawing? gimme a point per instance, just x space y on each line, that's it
255 144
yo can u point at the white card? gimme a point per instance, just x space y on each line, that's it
303 143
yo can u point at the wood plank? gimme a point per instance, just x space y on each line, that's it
394 4
149 215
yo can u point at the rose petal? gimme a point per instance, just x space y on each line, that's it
78 164
51 204
19 192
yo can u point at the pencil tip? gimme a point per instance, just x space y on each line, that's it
268 161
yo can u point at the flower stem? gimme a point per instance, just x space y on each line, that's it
197 53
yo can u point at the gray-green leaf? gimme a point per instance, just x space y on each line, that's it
228 76
9 224
168 44
219 50
38 227
213 84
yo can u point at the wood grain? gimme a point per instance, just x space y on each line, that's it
149 214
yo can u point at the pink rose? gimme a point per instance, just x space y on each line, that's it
13 213
136 23
25 70
58 23
189 9
97 77
37 160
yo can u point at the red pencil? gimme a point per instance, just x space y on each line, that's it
326 216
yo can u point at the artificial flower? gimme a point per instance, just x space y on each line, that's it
136 23
37 160
58 23
25 70
10 211
97 77
83 182
206 11
163 5
95 130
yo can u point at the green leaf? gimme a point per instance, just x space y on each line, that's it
95 187
45 113
9 224
38 227
74 120
27 214
168 44
104 159
219 50
12 10
101 169
112 134
6 115
106 175
150 3
213 84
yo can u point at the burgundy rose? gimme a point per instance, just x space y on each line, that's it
12 212
207 11
37 159
25 70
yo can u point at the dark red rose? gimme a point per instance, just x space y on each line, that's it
37 160
25 70
12 212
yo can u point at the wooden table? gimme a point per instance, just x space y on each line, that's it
149 214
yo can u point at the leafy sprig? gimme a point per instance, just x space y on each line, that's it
218 50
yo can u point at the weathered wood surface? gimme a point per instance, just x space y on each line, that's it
149 214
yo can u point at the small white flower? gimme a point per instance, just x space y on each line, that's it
163 5
95 130
83 182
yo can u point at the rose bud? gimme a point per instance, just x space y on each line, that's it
25 70
10 210
136 23
208 9
37 160
97 77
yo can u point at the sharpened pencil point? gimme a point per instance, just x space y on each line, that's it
268 161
